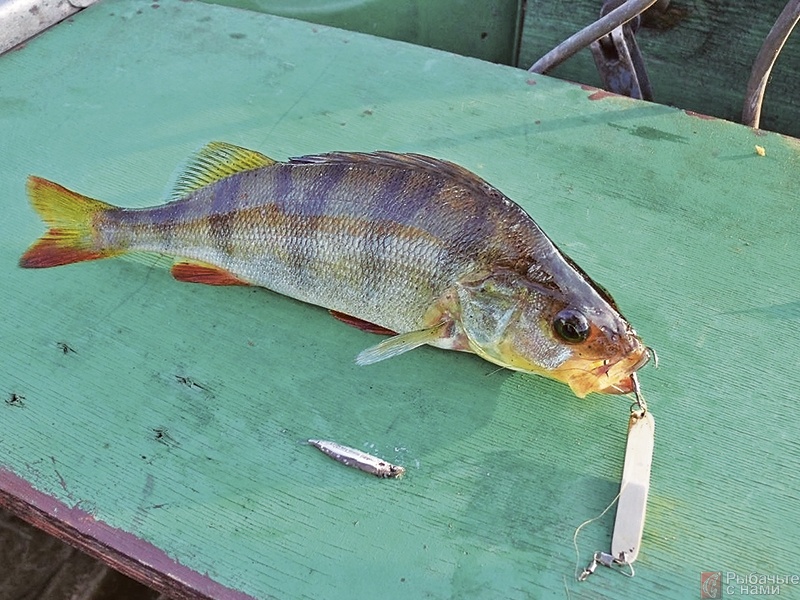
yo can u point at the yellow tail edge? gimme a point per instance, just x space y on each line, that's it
71 219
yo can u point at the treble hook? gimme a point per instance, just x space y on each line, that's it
607 560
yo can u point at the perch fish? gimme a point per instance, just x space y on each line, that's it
399 244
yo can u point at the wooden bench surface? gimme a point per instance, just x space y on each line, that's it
160 425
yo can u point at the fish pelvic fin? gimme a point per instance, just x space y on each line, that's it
401 343
71 219
216 161
361 324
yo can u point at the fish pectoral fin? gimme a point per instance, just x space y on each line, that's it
400 343
199 272
361 323
216 161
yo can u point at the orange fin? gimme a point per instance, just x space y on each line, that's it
197 272
70 218
361 324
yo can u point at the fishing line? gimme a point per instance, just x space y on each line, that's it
626 537
497 370
90 327
302 96
150 268
584 524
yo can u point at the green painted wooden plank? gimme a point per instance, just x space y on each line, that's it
698 54
487 30
694 234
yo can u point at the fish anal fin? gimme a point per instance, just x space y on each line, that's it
401 343
361 324
216 161
197 272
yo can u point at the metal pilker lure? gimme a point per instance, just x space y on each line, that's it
391 243
626 540
358 459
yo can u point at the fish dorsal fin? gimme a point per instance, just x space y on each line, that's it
215 161
405 161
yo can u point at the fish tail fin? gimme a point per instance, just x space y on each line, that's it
71 218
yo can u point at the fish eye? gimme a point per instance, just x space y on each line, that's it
571 326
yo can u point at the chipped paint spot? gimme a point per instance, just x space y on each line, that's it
597 93
65 348
692 113
15 399
531 82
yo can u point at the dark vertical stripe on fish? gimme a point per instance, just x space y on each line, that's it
307 214
287 219
224 204
392 193
160 222
329 184
316 201
283 186
404 195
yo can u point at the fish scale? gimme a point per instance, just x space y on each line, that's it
401 242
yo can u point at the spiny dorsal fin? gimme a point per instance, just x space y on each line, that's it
215 161
436 166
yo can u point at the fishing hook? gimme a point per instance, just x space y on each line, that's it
652 353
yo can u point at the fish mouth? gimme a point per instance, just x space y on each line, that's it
585 376
625 384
